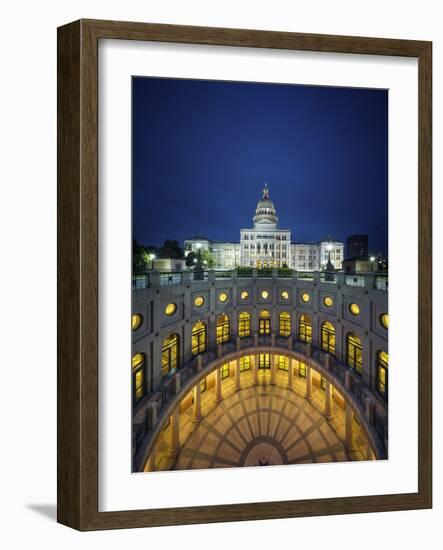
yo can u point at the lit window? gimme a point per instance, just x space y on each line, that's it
384 320
305 328
171 309
199 301
265 322
283 363
137 320
305 297
302 370
382 372
198 338
244 295
138 376
222 328
354 352
170 354
284 324
328 301
285 295
265 294
203 385
245 363
225 371
244 324
264 361
323 383
223 297
354 309
328 337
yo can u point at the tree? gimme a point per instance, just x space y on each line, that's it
170 249
140 256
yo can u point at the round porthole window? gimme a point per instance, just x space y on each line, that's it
285 295
244 295
328 301
384 320
223 297
354 309
305 297
199 301
171 309
264 294
137 320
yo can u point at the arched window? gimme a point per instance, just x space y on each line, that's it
170 354
284 326
305 328
382 372
198 338
244 324
138 376
265 322
222 329
328 337
354 352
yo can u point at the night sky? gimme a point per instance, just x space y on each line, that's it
202 151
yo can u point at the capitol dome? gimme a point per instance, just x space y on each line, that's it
265 214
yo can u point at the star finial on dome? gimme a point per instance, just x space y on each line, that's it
266 191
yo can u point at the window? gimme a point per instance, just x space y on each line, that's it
222 329
198 338
137 320
265 322
225 371
138 376
264 361
323 383
244 324
170 354
305 328
305 297
245 363
382 372
284 324
170 309
354 352
222 296
203 385
384 320
285 295
283 363
302 370
244 295
328 337
354 309
265 294
328 301
199 301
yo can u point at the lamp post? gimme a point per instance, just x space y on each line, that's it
152 258
372 258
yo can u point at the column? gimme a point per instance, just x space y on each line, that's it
255 372
308 383
291 374
151 462
174 442
218 392
237 375
349 428
328 401
273 368
197 404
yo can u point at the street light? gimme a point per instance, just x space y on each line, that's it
152 258
372 258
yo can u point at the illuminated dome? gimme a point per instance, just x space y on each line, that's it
265 214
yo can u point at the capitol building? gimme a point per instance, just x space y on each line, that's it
265 245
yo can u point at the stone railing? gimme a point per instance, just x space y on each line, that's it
156 408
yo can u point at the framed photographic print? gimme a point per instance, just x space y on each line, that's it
244 281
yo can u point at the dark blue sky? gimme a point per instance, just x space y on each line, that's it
202 151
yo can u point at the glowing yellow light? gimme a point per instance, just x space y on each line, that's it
305 297
354 309
199 301
223 297
264 294
137 360
171 309
384 320
328 301
285 295
244 295
137 320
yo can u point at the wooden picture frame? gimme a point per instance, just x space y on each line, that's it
78 274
